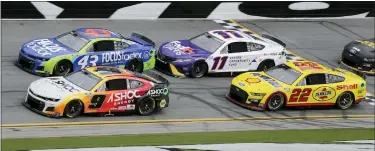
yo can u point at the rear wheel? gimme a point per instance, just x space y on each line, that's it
276 102
73 109
266 65
135 66
63 67
146 106
198 70
344 101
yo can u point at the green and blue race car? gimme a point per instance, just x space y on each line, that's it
84 47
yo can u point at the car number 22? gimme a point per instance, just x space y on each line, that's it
299 95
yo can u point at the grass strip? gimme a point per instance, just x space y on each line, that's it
252 136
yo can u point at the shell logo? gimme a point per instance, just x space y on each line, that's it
324 93
252 80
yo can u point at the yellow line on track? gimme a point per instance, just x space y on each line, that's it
174 121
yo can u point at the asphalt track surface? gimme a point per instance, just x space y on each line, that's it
195 99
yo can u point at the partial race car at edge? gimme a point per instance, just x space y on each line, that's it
100 89
219 51
360 55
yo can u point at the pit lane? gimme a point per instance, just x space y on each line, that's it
190 98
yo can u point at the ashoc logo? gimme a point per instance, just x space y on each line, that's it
158 91
127 95
44 47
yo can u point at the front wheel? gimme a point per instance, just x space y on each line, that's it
135 66
344 101
73 109
146 106
198 70
62 68
276 102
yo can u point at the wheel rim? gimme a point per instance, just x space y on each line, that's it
276 101
345 100
199 70
146 106
73 109
62 68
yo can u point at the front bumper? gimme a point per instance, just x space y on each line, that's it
240 97
168 68
31 65
40 106
357 63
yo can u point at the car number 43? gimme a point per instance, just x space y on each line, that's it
88 61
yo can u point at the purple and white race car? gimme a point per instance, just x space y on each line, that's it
220 51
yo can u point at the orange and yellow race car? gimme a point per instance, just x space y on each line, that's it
98 89
297 83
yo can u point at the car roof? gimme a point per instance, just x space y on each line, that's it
230 35
109 71
307 67
92 33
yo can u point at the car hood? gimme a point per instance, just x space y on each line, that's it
256 82
365 47
45 48
56 88
182 49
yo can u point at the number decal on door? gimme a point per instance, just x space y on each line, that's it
97 32
225 34
298 97
222 61
88 61
97 101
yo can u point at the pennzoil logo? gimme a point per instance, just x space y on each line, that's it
324 93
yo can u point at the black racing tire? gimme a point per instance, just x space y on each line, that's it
73 109
198 69
135 66
146 106
345 100
266 64
62 68
276 102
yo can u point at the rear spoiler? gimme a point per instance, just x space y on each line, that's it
343 68
138 38
274 39
142 39
154 77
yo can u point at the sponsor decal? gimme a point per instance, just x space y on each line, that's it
273 82
233 61
157 92
130 106
347 87
241 84
252 80
308 65
63 85
44 47
178 49
362 85
163 103
324 93
118 56
125 97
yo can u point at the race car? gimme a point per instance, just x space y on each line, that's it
360 55
297 84
98 89
84 47
219 51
